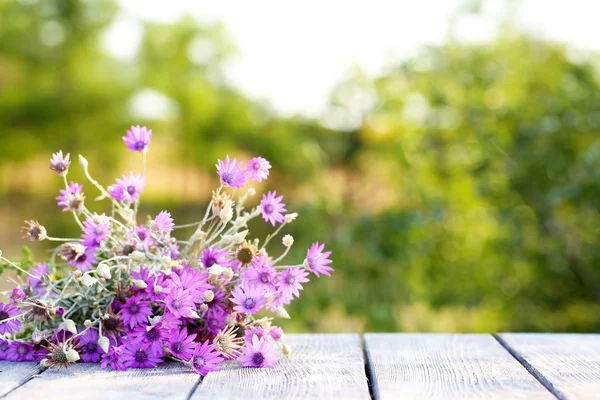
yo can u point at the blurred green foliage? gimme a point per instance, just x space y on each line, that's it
465 201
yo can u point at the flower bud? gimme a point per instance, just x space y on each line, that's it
137 256
251 191
236 238
77 274
140 284
192 314
281 313
226 213
72 355
208 296
287 350
158 290
203 308
88 281
290 217
288 240
215 270
103 271
69 325
87 323
17 295
103 343
60 311
228 273
122 267
83 162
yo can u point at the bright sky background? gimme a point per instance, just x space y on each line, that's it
294 52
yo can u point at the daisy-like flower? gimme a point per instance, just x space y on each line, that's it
58 354
213 255
95 230
114 358
34 232
272 208
90 350
249 300
19 351
39 273
163 222
279 299
155 335
276 333
138 138
262 276
37 311
138 354
318 262
135 312
8 325
231 173
258 169
206 358
216 320
259 353
228 343
258 331
145 237
179 303
60 164
182 345
112 324
291 280
128 188
17 295
71 198
244 254
84 262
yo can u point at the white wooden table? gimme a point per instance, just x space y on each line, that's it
346 366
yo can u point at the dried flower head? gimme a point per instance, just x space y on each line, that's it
219 200
34 232
245 253
228 343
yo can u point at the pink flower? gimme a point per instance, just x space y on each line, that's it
317 261
291 280
138 138
263 277
258 169
180 304
163 222
71 198
249 300
60 164
128 188
272 208
259 353
206 358
231 173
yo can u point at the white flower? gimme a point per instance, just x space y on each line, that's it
69 325
83 162
103 271
287 350
290 217
103 343
72 355
208 296
288 240
226 213
88 281
281 313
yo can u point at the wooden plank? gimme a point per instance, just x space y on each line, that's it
321 366
446 366
13 374
568 364
88 381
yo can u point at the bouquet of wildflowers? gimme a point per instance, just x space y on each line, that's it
130 295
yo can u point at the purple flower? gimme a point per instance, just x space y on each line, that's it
16 296
4 345
272 207
216 320
259 353
258 169
90 350
249 300
181 345
138 354
128 188
84 262
19 351
154 335
135 311
179 303
231 173
60 164
71 198
213 255
39 274
276 333
317 261
206 358
261 276
8 311
258 331
144 235
163 222
95 230
291 280
281 298
114 358
138 138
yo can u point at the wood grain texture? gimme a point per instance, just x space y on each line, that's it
569 364
88 381
321 366
13 375
447 366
